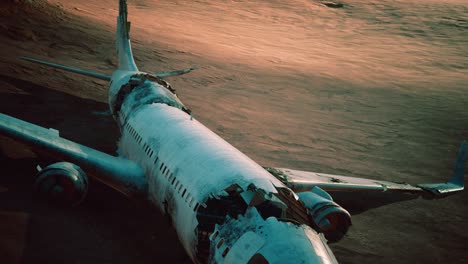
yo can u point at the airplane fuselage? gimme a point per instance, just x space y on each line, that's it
199 179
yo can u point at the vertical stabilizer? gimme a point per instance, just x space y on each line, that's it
124 48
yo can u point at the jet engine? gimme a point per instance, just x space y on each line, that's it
325 215
62 182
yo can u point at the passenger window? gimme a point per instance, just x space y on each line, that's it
183 193
173 180
160 167
215 235
164 170
156 160
220 243
226 250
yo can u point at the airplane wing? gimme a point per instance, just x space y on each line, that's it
121 174
360 194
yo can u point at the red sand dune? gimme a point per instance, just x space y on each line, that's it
374 89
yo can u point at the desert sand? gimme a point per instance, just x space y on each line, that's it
374 89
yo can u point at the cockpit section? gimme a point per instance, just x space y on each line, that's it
251 239
233 202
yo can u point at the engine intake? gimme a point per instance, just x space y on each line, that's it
62 182
326 216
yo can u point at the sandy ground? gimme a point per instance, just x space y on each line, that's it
375 89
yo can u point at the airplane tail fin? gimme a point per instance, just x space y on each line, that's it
459 170
75 70
456 182
124 48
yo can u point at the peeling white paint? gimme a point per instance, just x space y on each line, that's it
202 162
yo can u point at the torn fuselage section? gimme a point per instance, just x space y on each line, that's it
250 238
213 213
233 203
140 89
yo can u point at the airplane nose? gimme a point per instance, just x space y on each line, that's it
252 239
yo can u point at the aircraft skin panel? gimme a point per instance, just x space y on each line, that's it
121 174
196 150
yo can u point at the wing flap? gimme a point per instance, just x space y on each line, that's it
121 174
301 181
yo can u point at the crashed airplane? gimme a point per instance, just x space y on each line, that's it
225 207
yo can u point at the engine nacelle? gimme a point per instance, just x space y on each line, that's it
326 216
62 182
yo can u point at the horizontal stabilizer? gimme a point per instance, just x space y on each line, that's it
75 70
174 73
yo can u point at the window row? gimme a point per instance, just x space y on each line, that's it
133 132
178 186
172 179
220 243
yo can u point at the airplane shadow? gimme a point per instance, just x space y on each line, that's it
107 227
74 117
